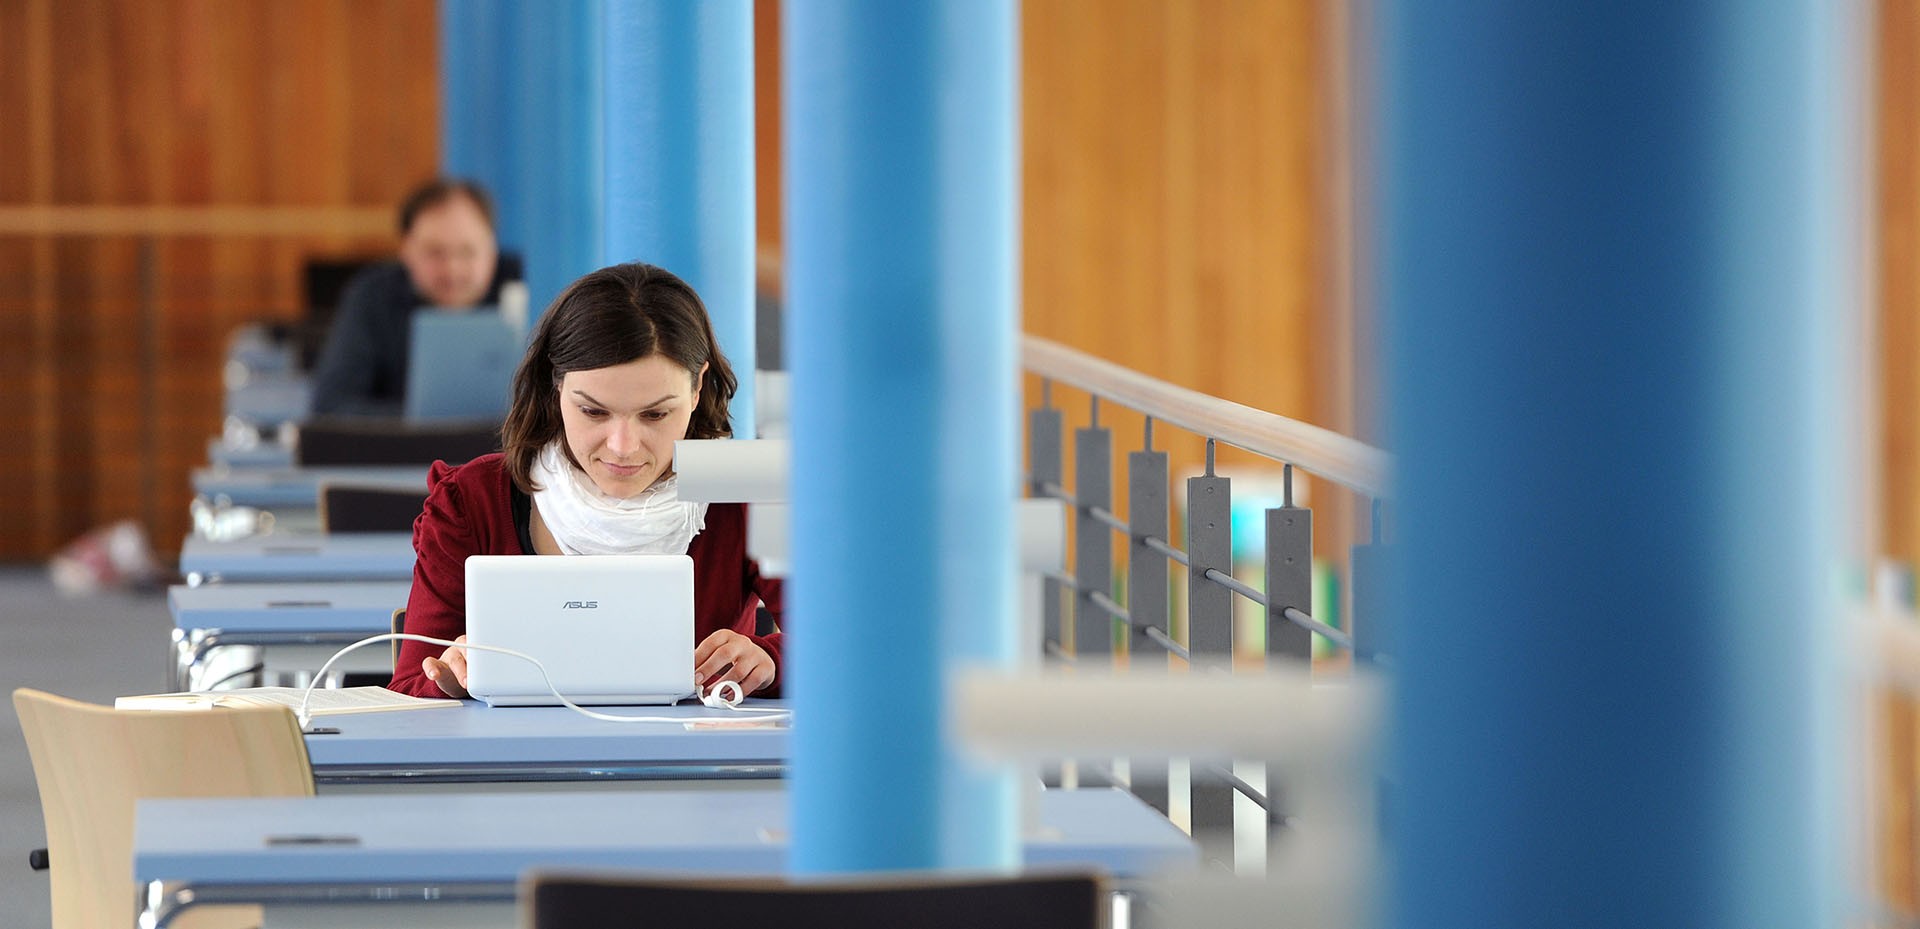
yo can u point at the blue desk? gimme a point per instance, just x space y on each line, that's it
266 399
421 853
313 618
263 454
359 556
478 744
300 487
252 350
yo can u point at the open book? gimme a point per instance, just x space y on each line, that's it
324 702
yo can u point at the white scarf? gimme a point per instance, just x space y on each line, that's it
585 521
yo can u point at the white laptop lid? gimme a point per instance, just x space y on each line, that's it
460 365
611 629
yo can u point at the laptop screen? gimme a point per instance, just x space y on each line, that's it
460 365
610 629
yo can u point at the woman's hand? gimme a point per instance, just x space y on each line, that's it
727 655
449 670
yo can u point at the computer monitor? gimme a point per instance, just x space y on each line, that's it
460 365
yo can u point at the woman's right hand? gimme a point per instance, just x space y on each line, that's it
449 670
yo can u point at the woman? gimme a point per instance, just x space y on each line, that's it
621 366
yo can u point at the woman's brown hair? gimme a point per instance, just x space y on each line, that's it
610 317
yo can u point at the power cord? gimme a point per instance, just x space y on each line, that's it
726 696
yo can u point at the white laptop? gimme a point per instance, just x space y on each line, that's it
611 629
460 365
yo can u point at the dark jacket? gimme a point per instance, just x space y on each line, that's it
363 368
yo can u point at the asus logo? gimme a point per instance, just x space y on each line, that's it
581 605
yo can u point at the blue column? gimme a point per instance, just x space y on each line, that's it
479 64
559 145
902 234
521 91
679 193
1614 276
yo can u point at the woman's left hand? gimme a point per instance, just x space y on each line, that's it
727 655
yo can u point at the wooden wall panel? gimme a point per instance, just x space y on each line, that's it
1897 273
113 338
1178 217
766 131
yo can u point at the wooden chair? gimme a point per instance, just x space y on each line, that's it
1060 901
396 626
93 762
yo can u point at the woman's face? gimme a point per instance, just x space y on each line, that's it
621 421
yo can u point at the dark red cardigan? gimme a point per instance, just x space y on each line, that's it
469 512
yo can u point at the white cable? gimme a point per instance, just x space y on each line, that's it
718 699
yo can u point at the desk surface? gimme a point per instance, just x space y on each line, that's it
270 398
477 743
274 487
362 556
464 838
314 606
264 454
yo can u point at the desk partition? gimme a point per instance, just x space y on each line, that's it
415 859
475 745
299 487
277 617
370 556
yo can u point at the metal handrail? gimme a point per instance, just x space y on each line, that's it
1321 451
1292 614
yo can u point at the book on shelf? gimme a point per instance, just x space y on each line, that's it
326 701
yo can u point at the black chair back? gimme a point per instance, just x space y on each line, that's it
345 508
380 441
1063 901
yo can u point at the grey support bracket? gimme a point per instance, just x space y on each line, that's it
1093 540
1209 545
1289 581
1146 567
1046 466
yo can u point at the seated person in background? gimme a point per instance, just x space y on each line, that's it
449 260
622 365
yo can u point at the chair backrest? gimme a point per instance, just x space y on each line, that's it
93 762
1057 901
349 440
396 626
350 508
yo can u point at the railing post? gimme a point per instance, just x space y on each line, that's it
1046 465
1092 540
1147 590
1209 545
1210 638
1365 564
1289 581
1146 568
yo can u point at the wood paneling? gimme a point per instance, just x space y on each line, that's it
171 166
1897 276
766 131
1184 212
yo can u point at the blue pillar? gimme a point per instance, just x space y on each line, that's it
521 86
678 117
559 144
479 64
1614 276
902 236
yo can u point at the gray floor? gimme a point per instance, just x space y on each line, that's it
90 648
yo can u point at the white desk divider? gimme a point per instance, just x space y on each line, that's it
732 470
770 404
1280 715
769 537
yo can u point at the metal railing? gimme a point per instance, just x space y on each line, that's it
1206 555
